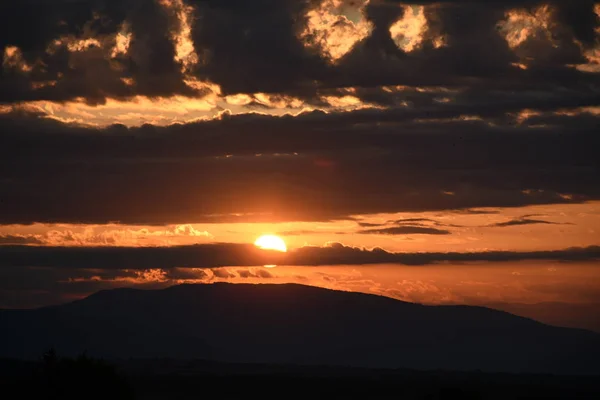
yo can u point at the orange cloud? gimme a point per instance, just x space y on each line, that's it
122 41
413 30
408 32
92 236
592 54
134 111
181 34
521 24
13 59
334 27
268 100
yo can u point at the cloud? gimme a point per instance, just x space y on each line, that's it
523 221
338 254
475 212
369 224
94 50
127 174
221 255
405 230
300 233
96 236
223 273
257 273
139 258
19 240
333 33
355 107
407 226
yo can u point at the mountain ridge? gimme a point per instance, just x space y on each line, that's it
296 324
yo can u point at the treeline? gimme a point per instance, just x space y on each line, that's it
55 377
87 378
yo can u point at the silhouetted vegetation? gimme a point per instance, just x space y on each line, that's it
86 378
69 378
163 379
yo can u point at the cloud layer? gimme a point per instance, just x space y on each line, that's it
314 166
293 109
97 49
226 254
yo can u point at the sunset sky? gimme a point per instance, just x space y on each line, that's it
440 152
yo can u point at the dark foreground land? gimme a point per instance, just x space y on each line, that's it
87 378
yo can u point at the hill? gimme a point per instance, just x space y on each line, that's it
296 324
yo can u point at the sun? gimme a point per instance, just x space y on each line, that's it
271 242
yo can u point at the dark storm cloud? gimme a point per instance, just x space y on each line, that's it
254 47
102 260
475 55
453 139
43 30
405 230
347 164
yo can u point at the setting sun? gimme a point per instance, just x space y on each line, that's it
271 242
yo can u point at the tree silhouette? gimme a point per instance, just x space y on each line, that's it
80 378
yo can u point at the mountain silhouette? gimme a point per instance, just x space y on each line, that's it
296 324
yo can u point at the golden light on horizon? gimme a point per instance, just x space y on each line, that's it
271 242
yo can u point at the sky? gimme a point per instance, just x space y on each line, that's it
439 152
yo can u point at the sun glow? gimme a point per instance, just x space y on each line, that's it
271 242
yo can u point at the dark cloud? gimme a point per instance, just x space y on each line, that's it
338 254
407 226
368 224
186 274
300 233
411 221
523 221
219 255
405 230
455 136
347 164
138 258
45 32
475 212
255 47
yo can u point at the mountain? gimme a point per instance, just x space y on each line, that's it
570 315
296 324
